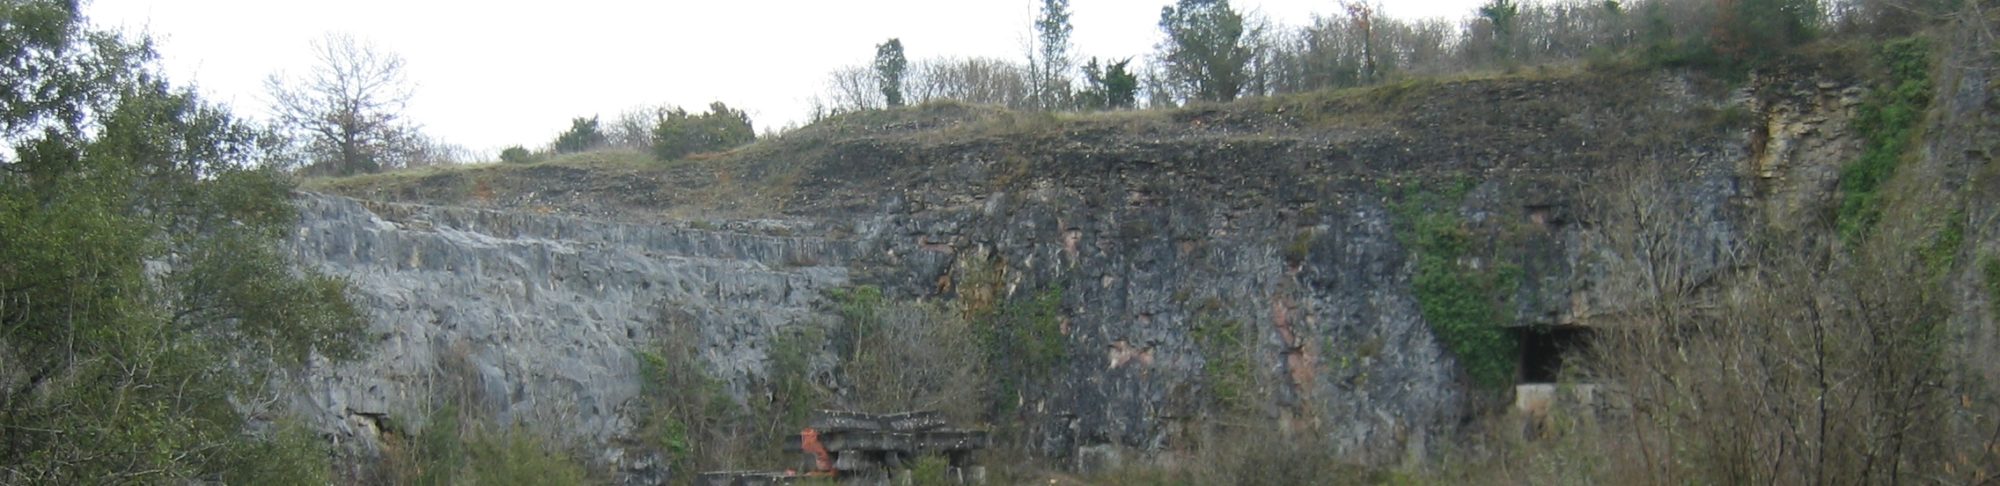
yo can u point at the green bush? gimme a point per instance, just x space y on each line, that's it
1110 86
683 407
583 135
438 454
679 133
517 155
895 354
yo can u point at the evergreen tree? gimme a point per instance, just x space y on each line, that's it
1111 86
1502 17
889 67
1206 53
582 135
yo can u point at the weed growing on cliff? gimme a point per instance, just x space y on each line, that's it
1023 342
1297 250
1888 121
1940 254
1461 303
1225 346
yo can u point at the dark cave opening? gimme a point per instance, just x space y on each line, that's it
1545 350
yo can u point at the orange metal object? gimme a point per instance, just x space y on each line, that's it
809 441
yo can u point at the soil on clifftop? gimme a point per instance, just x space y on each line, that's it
1549 121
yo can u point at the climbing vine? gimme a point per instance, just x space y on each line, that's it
1461 303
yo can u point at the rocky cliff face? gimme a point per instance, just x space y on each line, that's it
534 319
1288 218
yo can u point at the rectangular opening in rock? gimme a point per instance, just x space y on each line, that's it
1546 349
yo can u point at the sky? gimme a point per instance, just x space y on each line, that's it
493 73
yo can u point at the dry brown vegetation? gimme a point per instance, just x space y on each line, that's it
1791 359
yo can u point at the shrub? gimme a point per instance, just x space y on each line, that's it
516 155
898 355
583 135
789 379
454 448
685 411
679 133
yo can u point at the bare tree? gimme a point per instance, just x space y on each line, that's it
1787 359
346 114
973 80
1361 16
853 88
633 128
906 354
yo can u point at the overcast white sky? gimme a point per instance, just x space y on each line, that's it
493 73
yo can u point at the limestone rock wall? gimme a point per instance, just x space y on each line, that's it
1296 238
538 316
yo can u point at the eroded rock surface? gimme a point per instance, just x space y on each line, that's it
1279 222
537 317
